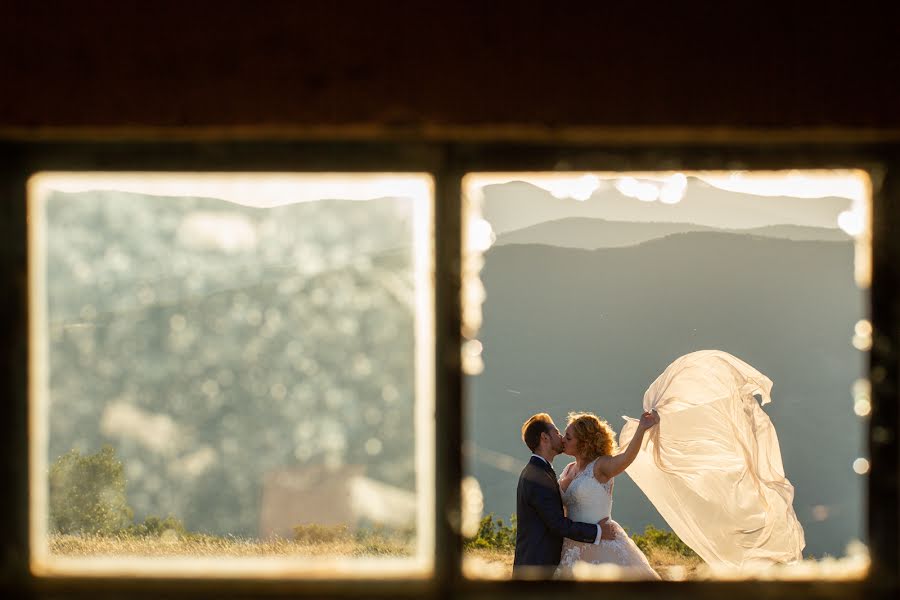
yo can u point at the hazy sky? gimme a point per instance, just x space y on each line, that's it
250 189
798 184
734 200
661 189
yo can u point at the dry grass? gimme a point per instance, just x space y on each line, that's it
668 564
479 562
673 566
84 546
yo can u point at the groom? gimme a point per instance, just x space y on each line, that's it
539 509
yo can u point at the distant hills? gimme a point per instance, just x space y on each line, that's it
590 234
517 205
573 329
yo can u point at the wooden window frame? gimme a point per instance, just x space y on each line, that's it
448 163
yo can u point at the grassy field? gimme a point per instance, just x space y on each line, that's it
492 563
85 546
673 566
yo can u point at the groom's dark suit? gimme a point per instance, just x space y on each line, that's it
541 525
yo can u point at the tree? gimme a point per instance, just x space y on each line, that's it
87 493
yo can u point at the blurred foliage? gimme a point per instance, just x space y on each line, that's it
87 493
215 342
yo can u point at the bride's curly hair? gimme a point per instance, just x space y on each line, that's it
593 436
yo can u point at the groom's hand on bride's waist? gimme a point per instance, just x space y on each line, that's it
607 531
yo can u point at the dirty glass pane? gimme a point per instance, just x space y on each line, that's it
231 366
582 288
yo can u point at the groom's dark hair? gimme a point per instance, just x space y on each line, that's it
534 427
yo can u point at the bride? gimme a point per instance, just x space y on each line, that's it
586 485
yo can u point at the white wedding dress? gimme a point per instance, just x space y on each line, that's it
587 500
713 468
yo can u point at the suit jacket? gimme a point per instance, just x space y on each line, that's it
541 525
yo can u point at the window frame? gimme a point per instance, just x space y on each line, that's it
448 163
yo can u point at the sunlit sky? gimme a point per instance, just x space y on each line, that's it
852 185
798 184
276 189
670 188
263 190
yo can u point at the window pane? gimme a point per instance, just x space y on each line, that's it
594 283
232 365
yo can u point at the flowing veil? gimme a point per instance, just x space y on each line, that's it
712 468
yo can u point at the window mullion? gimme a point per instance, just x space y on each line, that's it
448 376
884 493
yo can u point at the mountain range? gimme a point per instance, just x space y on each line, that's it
590 234
518 204
569 329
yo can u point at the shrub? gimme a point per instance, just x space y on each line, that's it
155 527
657 538
494 534
87 493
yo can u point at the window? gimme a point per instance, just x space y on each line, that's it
228 368
594 279
448 165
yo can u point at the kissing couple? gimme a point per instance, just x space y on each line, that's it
716 477
565 520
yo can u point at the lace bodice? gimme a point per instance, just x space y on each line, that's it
586 499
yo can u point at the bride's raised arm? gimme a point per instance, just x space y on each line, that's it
608 467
